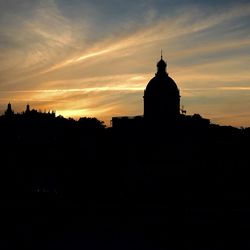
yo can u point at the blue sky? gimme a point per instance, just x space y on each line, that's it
95 58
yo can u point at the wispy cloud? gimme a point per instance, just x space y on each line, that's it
56 58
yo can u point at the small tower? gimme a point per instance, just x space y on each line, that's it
9 111
27 111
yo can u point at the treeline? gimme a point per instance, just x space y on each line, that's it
44 127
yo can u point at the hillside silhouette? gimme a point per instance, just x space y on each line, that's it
134 186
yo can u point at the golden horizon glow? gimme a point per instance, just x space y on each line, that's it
55 60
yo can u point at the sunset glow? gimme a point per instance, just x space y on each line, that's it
95 58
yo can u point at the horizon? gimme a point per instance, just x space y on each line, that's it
94 59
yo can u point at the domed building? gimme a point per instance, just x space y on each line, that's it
161 102
161 96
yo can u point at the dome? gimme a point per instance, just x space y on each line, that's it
161 96
162 85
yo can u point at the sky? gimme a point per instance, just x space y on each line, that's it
94 58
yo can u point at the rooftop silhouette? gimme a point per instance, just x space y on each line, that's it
161 105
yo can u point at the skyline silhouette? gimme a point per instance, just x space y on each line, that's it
106 143
161 99
165 180
135 185
56 56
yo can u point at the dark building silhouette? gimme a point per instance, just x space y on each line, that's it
161 96
161 102
127 122
9 110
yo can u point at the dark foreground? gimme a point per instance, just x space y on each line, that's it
126 189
